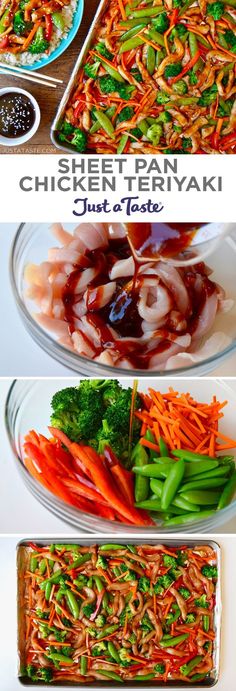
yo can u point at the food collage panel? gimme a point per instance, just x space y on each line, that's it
118 344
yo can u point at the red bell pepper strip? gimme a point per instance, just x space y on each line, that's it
4 42
186 68
228 141
48 27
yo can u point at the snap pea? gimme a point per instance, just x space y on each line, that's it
172 483
48 591
154 470
144 677
172 641
100 587
187 668
131 32
225 459
143 126
72 604
157 488
122 143
155 505
42 566
53 579
232 3
131 44
33 564
189 517
218 472
197 677
58 20
132 549
162 459
203 484
83 665
64 659
130 23
96 125
110 675
81 560
228 16
191 456
112 71
197 468
193 47
156 37
105 122
228 492
223 43
164 451
159 57
202 497
107 631
67 548
183 101
148 12
141 485
206 623
3 19
151 59
113 651
108 546
186 5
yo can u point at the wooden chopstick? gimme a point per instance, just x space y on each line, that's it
22 71
28 77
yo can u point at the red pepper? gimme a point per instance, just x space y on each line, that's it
228 141
48 27
4 42
186 68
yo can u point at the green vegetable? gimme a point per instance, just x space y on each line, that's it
185 593
3 20
131 32
209 571
172 70
191 456
202 497
39 43
48 591
20 27
101 562
193 79
33 564
136 74
88 609
180 31
163 582
206 623
100 620
122 143
145 624
42 615
115 425
107 547
130 44
151 59
125 114
171 484
39 673
208 96
91 69
215 9
59 657
67 128
107 631
188 667
148 12
160 668
188 518
169 561
83 665
198 468
102 50
72 604
161 23
79 561
58 20
203 484
140 458
172 641
99 649
156 37
202 602
193 46
110 675
113 651
161 99
144 584
228 492
180 87
191 618
144 677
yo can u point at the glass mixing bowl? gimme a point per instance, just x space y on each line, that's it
28 407
31 245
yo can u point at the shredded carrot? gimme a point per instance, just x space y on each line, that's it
122 10
30 37
149 444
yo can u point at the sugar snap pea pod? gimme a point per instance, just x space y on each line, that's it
143 126
151 59
148 12
144 677
154 470
141 485
67 548
33 564
164 451
113 651
206 623
110 545
78 562
225 459
105 122
189 518
131 44
197 468
3 20
232 3
203 484
191 456
130 23
42 566
193 47
132 549
172 483
72 604
96 125
83 665
197 677
48 591
159 57
228 492
188 667
53 579
58 657
155 505
202 497
58 20
111 70
122 143
110 675
163 459
184 7
172 641
131 32
156 37
107 631
221 471
157 488
100 587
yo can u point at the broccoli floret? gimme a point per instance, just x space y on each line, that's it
115 424
215 9
39 43
185 593
125 614
173 616
125 91
192 77
161 23
146 624
44 630
163 582
132 639
180 87
91 69
144 584
91 631
225 107
162 98
77 411
208 96
98 649
191 618
209 571
66 622
181 557
177 3
168 560
100 620
46 674
88 609
111 389
180 31
108 84
187 143
154 133
124 657
202 602
79 140
101 562
20 27
160 668
164 117
136 74
42 615
102 50
32 672
230 39
67 128
125 114
173 70
136 132
81 581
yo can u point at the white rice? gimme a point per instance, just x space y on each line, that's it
28 58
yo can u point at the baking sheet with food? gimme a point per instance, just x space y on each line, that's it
153 78
132 613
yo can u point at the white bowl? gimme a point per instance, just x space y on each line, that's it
15 141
